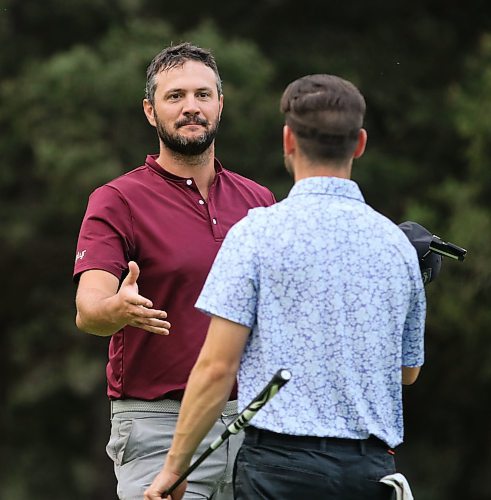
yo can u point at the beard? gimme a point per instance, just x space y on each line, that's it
193 146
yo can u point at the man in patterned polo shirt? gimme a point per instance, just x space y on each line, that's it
327 287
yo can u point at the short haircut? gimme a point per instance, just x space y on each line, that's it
175 56
326 114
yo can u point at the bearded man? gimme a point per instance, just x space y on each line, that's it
146 244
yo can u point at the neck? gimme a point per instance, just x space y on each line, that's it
200 167
304 170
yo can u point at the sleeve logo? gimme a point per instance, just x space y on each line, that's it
80 255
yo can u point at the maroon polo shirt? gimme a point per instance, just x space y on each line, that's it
160 221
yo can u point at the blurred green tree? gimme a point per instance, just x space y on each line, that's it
454 392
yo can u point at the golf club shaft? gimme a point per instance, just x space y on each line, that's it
280 378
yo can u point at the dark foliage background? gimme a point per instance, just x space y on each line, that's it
72 74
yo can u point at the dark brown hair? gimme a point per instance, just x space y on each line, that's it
326 114
175 56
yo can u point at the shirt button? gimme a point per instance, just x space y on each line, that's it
201 202
214 221
189 182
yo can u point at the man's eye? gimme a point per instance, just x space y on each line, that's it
204 95
174 96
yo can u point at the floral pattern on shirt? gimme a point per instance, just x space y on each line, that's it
332 291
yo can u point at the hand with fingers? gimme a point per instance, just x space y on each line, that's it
136 310
162 481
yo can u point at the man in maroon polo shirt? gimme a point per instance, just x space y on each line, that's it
146 244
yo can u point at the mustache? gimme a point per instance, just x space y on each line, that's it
193 120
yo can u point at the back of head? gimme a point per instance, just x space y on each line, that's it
175 56
326 114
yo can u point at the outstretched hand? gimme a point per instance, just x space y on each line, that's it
136 310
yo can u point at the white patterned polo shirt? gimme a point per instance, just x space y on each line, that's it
332 291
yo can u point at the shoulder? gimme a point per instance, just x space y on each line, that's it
396 234
124 183
129 179
246 183
116 191
393 236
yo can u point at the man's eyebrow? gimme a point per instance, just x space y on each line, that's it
179 89
170 91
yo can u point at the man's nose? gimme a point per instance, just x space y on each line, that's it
191 106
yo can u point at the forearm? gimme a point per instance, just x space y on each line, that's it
206 394
97 312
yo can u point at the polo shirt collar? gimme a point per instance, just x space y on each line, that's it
334 186
151 161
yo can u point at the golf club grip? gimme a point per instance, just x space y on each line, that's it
279 379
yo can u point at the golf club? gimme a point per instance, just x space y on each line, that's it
280 378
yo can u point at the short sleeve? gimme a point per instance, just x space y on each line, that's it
413 335
106 238
230 291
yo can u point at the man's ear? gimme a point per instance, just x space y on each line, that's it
220 109
289 141
362 142
149 112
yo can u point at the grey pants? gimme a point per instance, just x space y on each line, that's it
138 445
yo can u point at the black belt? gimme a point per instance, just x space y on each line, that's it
255 436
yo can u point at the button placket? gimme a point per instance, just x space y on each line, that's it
189 183
214 219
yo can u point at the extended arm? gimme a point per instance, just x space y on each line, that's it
209 386
103 307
